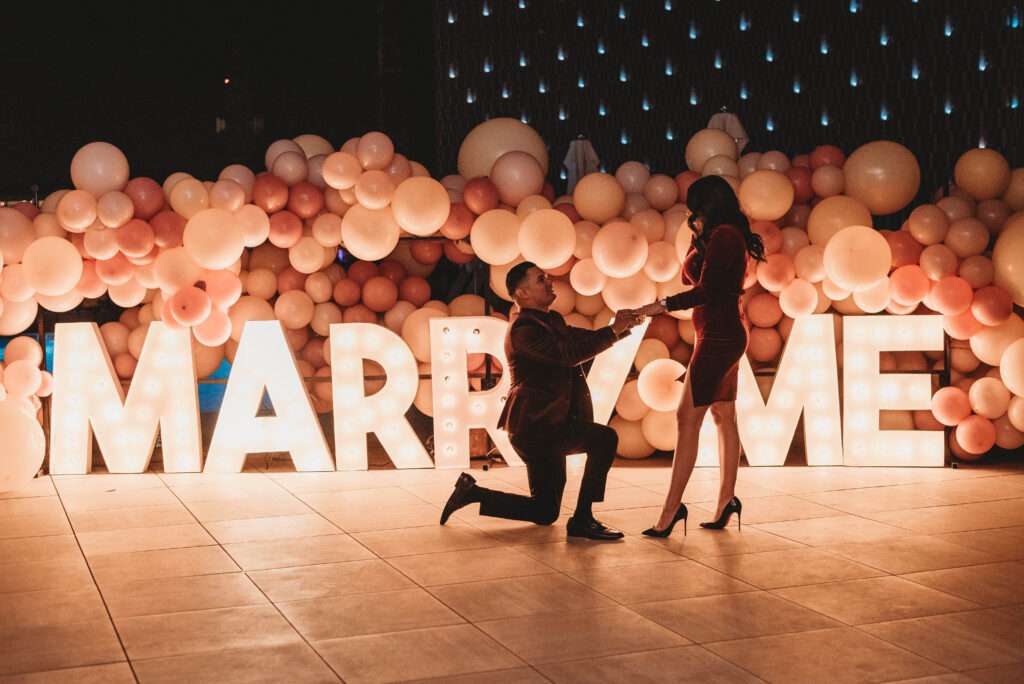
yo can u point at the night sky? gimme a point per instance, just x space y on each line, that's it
154 85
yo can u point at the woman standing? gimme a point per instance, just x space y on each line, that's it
715 265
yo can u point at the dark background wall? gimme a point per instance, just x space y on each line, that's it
658 69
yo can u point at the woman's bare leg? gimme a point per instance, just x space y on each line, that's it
724 414
689 420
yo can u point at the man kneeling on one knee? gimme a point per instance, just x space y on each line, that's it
548 414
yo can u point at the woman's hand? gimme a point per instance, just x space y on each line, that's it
652 309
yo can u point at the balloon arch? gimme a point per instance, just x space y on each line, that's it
209 256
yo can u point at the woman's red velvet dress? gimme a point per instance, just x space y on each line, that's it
721 334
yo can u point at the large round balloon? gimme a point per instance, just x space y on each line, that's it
708 143
1008 258
982 173
857 258
620 249
214 238
369 234
599 197
493 138
833 214
420 205
659 386
495 236
52 266
98 168
23 446
883 175
16 317
547 238
766 195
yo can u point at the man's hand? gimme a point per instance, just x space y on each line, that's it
652 309
625 319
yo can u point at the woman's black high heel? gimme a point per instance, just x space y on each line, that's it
734 506
680 515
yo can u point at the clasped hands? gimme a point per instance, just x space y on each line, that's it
629 318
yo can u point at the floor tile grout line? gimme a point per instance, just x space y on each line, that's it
92 575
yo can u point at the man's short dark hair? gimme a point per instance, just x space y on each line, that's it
515 277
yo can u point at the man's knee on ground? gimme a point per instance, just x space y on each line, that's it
547 516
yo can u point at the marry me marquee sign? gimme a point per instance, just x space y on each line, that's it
88 399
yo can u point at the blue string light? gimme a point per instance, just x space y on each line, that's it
579 20
562 175
693 97
623 138
824 117
769 124
644 42
561 54
824 46
854 6
623 76
769 54
948 109
452 71
884 39
580 83
668 67
668 5
796 14
504 91
622 11
522 4
486 11
451 17
981 142
600 46
743 90
915 73
948 30
854 81
1014 20
718 59
982 63
470 97
522 59
523 118
562 116
796 84
744 22
541 87
669 134
601 111
693 30
646 104
487 65
884 115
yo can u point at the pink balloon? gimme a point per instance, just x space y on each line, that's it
976 434
962 326
992 305
764 310
770 235
776 272
215 330
116 270
379 294
938 261
190 306
950 406
908 285
765 344
22 378
124 365
223 287
951 295
135 238
905 249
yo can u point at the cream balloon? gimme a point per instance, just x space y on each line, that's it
708 143
857 258
369 234
52 266
420 205
1008 258
99 168
495 236
989 344
833 214
493 138
883 175
620 249
214 238
547 238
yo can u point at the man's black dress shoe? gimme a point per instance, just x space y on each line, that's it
591 529
458 498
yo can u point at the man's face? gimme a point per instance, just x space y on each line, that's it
536 291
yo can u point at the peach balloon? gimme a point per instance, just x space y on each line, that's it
213 238
1011 367
908 285
776 272
168 227
928 224
76 211
989 344
977 270
857 257
547 238
766 195
661 192
517 175
951 295
14 286
629 405
319 287
21 379
630 292
598 197
992 305
495 236
341 170
291 167
190 306
906 250
374 150
114 209
883 175
662 264
189 197
976 435
242 175
586 231
587 278
967 237
379 294
23 349
651 349
420 206
938 261
17 316
747 164
983 173
99 168
116 270
1014 194
52 266
127 294
827 181
633 176
223 287
798 298
764 345
833 214
989 397
708 143
809 263
374 189
89 285
620 249
369 234
658 384
1008 258
764 310
294 309
493 138
270 193
770 235
279 147
174 269
875 298
306 255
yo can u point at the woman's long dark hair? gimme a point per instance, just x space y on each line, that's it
711 198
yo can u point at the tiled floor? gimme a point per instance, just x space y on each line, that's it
837 575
